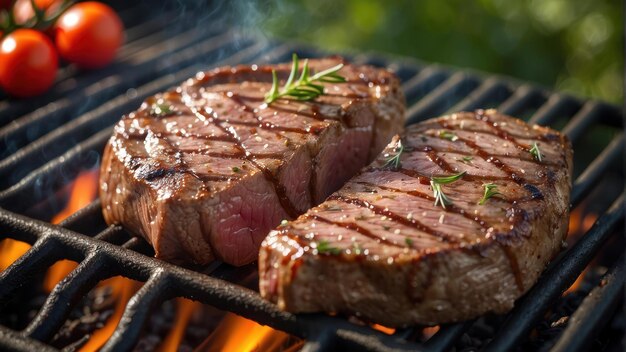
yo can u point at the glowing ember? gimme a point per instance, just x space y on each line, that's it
183 314
242 335
384 329
428 332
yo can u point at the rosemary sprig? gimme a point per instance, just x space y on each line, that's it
307 87
324 247
393 162
448 135
490 191
437 181
467 159
448 179
536 153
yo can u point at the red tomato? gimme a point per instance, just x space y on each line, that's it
28 63
23 10
88 34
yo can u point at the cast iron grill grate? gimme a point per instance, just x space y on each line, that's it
47 141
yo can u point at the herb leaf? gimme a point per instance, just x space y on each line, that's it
437 181
324 247
448 135
448 179
490 191
161 109
536 153
305 88
467 159
394 161
408 241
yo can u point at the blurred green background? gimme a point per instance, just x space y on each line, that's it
570 45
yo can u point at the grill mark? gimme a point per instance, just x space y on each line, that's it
280 190
489 158
355 227
480 115
452 208
397 218
539 137
514 265
428 148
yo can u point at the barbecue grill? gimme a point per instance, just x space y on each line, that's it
46 142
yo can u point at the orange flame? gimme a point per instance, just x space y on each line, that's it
10 251
242 335
183 314
579 223
122 289
84 190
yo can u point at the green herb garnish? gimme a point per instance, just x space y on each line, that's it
536 153
324 247
408 241
236 169
467 159
394 161
448 135
437 181
490 191
161 109
305 88
448 179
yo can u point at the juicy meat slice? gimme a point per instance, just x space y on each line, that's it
206 170
380 248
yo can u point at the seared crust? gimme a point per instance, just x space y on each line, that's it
398 260
205 170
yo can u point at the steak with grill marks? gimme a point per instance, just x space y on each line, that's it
380 248
205 170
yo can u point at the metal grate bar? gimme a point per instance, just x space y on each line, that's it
594 312
589 178
112 234
38 258
589 113
65 294
523 97
557 105
424 82
441 98
68 164
129 328
445 339
85 220
490 89
14 341
560 275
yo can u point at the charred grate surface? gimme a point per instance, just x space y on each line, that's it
46 142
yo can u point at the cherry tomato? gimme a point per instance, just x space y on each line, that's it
88 34
28 63
23 10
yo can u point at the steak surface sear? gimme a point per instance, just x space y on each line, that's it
206 170
380 249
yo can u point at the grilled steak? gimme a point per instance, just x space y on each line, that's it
381 249
205 170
